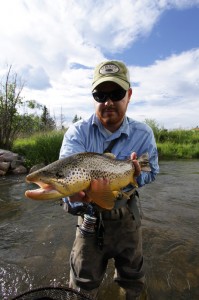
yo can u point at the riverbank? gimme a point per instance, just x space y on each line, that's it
11 163
43 148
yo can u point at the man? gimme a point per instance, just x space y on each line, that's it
118 233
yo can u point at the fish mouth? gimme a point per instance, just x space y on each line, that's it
44 192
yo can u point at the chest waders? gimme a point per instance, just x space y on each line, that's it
126 202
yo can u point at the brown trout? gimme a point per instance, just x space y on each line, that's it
74 173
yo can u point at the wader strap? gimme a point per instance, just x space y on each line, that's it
100 232
111 145
128 195
129 199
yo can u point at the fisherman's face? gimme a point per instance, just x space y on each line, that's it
111 113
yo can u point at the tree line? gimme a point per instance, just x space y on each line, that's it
17 116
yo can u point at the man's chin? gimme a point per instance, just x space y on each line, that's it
112 115
109 120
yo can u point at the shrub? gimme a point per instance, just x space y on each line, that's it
40 148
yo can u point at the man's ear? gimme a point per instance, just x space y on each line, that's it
130 92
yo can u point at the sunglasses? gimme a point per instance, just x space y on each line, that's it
115 95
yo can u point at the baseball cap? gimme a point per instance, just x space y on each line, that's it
114 71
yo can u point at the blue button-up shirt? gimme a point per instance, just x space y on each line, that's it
90 136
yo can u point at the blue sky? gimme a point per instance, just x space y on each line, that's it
54 45
175 32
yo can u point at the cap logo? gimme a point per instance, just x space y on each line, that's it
109 69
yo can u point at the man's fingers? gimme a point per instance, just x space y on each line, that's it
133 155
137 168
99 183
78 197
136 164
97 187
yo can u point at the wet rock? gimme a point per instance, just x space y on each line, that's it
36 167
4 166
11 162
20 170
16 163
2 173
7 156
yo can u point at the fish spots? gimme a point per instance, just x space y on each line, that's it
74 173
59 175
77 175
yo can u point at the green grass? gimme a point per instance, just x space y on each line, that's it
45 147
177 136
174 144
39 148
169 150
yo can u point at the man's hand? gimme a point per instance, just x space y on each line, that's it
136 164
79 197
97 187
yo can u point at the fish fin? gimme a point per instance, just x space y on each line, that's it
116 194
146 169
110 155
104 198
134 182
144 162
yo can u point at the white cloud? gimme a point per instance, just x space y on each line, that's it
36 78
55 33
169 90
48 41
175 77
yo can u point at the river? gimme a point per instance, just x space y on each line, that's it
36 237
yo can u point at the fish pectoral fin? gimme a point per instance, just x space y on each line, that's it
107 200
104 198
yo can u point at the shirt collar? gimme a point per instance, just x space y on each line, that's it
124 128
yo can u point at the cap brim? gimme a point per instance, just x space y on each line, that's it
124 84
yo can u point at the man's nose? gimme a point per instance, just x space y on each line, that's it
108 101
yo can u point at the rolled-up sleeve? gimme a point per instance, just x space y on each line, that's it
148 177
73 142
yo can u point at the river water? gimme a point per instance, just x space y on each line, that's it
36 237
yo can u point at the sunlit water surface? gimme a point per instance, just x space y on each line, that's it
36 238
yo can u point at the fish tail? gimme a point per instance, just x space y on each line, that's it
144 162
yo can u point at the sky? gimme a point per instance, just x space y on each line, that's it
53 46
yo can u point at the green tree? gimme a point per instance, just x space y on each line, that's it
160 133
76 118
10 100
47 123
32 104
33 125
